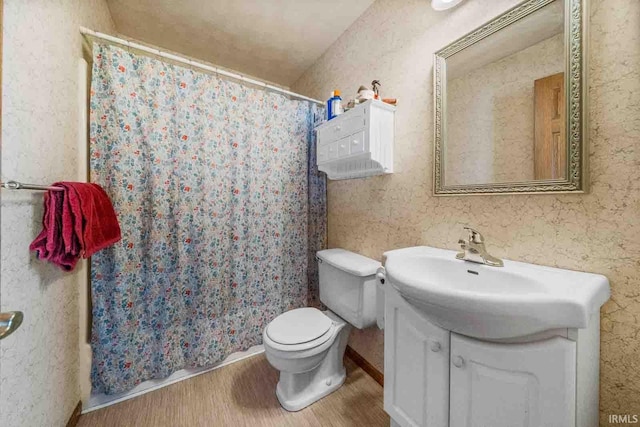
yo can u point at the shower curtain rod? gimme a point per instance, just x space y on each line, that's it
156 51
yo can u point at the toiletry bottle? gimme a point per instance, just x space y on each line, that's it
334 105
337 107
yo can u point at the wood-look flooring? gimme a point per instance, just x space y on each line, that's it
243 394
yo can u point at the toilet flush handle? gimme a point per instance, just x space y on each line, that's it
381 275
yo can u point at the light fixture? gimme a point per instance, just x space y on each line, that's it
444 4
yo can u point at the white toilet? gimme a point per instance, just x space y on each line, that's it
307 345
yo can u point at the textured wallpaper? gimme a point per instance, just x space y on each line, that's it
490 116
596 232
42 44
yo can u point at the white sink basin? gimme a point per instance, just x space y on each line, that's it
480 301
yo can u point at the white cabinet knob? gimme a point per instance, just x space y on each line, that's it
342 145
458 362
435 346
355 142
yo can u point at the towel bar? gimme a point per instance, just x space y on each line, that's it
15 185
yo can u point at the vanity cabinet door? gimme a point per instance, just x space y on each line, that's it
512 385
416 367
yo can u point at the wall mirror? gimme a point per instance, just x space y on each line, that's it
509 104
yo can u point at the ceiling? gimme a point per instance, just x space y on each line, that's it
275 40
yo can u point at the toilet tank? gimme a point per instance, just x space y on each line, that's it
348 285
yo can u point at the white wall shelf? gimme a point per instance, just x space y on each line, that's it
358 143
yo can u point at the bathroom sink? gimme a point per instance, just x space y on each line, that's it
487 302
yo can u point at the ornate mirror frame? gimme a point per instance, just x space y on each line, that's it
575 35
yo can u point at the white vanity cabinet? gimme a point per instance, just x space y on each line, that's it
358 143
517 345
436 378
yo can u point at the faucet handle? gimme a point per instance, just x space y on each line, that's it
474 235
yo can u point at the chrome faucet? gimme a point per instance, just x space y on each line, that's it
473 249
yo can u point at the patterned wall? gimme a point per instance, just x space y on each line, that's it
42 45
596 232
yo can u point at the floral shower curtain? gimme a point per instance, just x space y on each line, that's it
221 209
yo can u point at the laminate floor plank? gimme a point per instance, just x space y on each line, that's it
243 394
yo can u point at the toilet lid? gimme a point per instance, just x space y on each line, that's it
298 326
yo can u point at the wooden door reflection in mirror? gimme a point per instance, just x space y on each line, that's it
550 146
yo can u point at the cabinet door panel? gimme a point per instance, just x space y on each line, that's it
416 370
356 142
355 123
343 147
333 151
512 385
323 153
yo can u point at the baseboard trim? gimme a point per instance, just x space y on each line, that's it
75 415
365 365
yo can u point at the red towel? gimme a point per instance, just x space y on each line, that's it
78 221
49 244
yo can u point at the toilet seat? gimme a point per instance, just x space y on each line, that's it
299 329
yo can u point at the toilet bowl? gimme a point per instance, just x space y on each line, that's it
312 368
307 345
